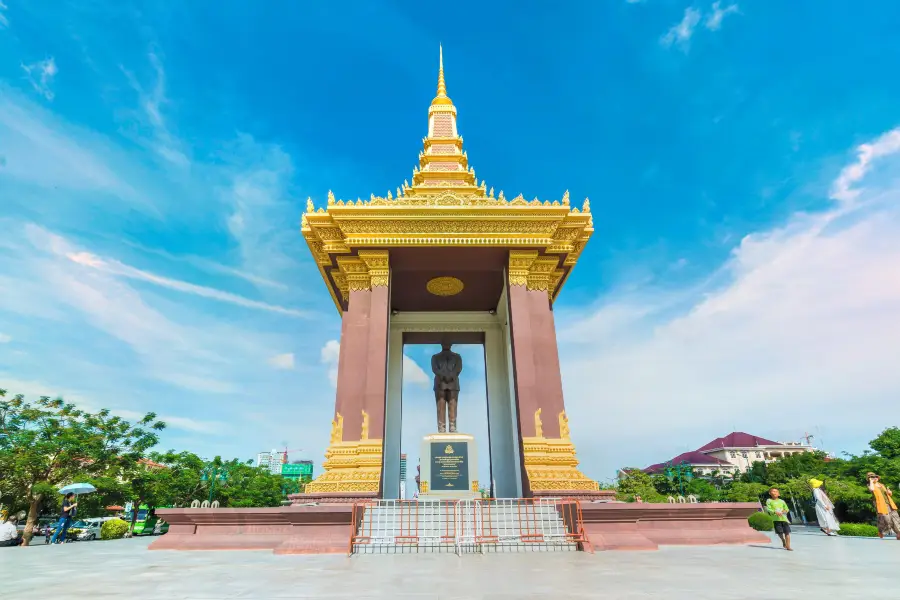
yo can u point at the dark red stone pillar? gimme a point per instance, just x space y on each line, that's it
536 360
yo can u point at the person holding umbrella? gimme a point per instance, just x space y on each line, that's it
69 508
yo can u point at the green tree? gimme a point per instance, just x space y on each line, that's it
248 486
51 443
638 483
740 491
887 444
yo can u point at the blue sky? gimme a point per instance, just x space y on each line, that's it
742 161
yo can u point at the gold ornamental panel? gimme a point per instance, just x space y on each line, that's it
444 286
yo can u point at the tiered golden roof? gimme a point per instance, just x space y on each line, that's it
444 206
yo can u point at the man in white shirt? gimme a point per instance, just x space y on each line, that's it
9 535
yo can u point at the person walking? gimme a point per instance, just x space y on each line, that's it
778 508
828 523
65 519
9 533
885 508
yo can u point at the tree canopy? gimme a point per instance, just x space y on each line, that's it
50 443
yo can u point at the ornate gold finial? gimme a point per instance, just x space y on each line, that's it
364 435
337 429
565 198
310 207
330 197
538 425
586 207
491 193
564 426
389 196
441 97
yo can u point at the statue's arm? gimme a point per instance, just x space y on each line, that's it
459 366
434 366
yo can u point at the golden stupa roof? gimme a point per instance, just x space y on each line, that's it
444 206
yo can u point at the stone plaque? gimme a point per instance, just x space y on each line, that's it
449 466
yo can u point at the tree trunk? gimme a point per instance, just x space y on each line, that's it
32 519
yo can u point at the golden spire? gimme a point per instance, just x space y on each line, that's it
441 97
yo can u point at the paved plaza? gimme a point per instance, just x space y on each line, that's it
821 567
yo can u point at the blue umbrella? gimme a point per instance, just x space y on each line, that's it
78 488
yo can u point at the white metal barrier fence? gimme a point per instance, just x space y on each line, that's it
467 525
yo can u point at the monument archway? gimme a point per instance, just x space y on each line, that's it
491 330
443 260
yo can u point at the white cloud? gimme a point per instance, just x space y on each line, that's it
283 361
330 356
681 32
714 19
40 75
885 145
5 339
804 331
162 142
413 373
114 267
32 390
4 21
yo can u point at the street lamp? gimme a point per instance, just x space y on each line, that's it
213 472
682 471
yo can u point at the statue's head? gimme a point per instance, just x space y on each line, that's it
446 345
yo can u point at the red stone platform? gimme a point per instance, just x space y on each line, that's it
620 526
325 529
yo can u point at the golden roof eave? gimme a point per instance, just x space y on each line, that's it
448 219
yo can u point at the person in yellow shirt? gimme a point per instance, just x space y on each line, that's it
885 508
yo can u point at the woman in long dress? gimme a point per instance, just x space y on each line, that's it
828 523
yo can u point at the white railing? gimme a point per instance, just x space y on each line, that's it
466 525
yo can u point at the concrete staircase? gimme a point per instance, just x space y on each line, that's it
393 527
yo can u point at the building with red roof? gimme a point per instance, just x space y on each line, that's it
733 453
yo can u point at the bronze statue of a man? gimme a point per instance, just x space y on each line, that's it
446 366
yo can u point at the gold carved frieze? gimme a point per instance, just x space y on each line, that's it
370 268
539 273
551 463
347 230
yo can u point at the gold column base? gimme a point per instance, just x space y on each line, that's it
551 466
349 467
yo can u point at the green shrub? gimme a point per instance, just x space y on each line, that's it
761 521
858 529
113 529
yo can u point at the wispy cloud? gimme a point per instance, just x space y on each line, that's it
152 101
5 339
32 390
4 21
718 14
282 361
114 267
885 145
40 75
680 34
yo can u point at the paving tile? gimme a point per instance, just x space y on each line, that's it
820 567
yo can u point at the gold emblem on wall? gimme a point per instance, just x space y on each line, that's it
444 286
448 449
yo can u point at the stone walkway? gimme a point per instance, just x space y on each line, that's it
828 568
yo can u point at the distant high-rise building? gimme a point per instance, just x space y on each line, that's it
270 461
402 476
263 458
